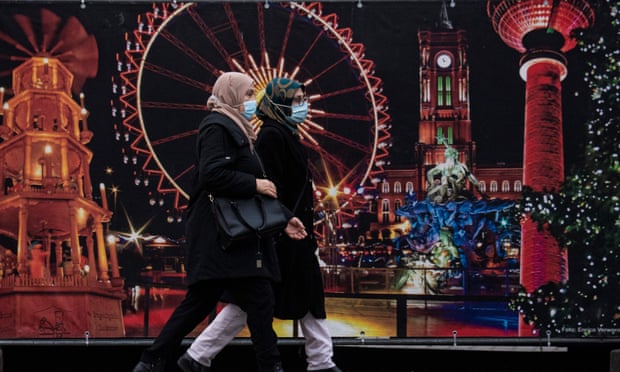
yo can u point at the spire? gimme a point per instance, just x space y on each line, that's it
444 21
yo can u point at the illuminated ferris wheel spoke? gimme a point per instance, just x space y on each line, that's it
209 33
344 141
261 35
323 114
176 76
190 52
309 50
243 49
173 106
185 172
287 34
327 69
176 137
339 92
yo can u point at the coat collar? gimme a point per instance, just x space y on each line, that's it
227 123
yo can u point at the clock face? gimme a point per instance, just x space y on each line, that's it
444 60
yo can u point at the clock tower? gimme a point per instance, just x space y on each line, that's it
444 97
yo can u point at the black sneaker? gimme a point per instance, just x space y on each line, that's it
333 369
188 364
143 366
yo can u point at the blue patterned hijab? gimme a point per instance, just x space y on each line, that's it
277 100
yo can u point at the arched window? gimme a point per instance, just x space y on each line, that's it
397 187
517 187
493 186
385 211
505 186
409 187
482 185
385 187
396 206
372 206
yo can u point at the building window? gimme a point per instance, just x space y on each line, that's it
409 187
397 187
517 186
482 185
493 186
372 206
385 211
444 91
396 207
385 187
505 186
445 136
426 90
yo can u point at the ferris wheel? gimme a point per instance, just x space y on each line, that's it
170 61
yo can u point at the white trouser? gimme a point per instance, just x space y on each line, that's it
231 320
223 329
319 349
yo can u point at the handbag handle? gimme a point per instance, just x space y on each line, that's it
239 215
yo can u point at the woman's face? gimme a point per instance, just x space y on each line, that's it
299 97
248 96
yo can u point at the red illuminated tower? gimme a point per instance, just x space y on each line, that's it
542 31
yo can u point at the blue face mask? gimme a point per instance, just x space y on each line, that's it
299 113
249 109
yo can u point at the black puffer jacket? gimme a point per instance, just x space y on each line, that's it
227 167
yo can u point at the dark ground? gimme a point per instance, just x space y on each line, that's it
351 356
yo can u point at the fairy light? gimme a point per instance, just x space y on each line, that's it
583 215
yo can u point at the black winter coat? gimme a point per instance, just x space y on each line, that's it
226 166
286 164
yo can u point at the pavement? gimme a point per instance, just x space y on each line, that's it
431 355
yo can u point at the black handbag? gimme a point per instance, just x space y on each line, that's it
257 217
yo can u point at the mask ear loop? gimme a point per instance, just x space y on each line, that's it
284 116
277 106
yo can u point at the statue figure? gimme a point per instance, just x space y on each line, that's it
446 181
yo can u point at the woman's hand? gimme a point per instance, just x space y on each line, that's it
295 229
266 187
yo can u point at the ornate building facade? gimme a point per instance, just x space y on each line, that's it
445 119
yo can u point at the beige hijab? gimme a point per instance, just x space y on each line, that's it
228 93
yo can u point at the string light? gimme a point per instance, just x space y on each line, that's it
583 216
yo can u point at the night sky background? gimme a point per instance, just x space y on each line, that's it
389 32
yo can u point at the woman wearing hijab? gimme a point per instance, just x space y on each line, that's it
300 294
227 165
